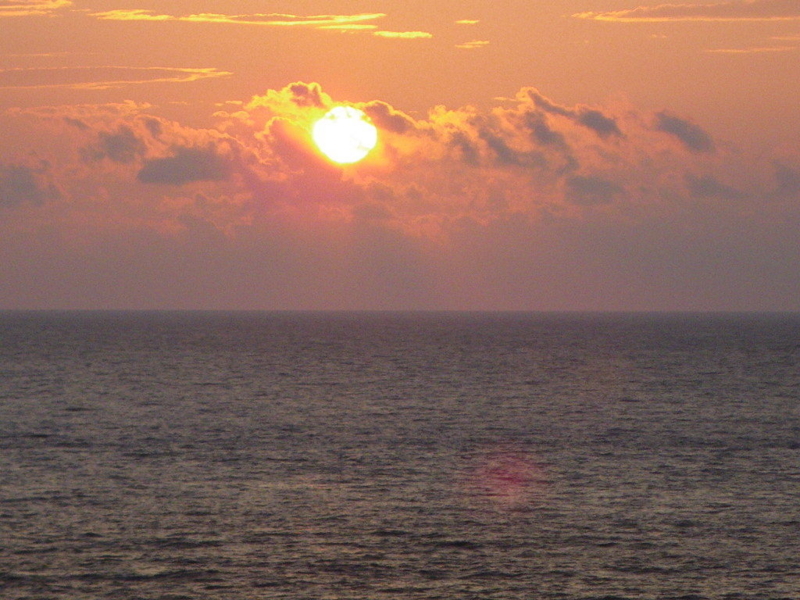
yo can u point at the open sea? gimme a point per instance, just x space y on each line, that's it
393 456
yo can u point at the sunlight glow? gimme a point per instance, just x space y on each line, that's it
345 135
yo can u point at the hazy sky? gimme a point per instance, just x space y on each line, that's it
558 155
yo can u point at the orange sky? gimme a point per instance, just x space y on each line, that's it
572 155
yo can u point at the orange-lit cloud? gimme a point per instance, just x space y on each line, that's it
137 14
101 78
21 8
268 20
473 44
404 35
749 10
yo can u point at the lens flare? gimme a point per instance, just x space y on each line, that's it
506 478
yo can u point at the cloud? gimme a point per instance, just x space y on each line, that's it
307 95
707 186
588 117
20 8
404 35
80 116
690 135
137 14
473 44
352 21
101 78
788 179
121 146
527 204
749 10
388 118
27 182
77 123
467 21
752 50
591 190
186 165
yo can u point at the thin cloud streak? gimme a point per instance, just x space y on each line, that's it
15 78
405 35
753 50
32 8
752 10
266 20
471 45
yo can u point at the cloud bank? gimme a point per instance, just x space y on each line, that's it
529 204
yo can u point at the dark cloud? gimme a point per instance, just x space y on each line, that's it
588 117
505 155
186 166
77 123
387 118
708 186
26 184
371 211
556 154
292 145
153 126
307 94
122 146
788 179
466 148
689 134
591 190
541 131
545 104
597 121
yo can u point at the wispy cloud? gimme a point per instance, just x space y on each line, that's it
101 78
467 21
752 50
31 7
353 21
750 10
471 45
405 35
131 15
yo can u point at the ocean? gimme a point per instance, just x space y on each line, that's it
378 456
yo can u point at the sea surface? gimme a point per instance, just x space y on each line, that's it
391 456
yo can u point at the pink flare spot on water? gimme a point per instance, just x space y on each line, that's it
507 478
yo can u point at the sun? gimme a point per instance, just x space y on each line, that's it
345 134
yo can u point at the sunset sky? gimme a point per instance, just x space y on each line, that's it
532 155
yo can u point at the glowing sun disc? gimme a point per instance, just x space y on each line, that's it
344 134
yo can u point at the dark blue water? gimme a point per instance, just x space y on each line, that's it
399 456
